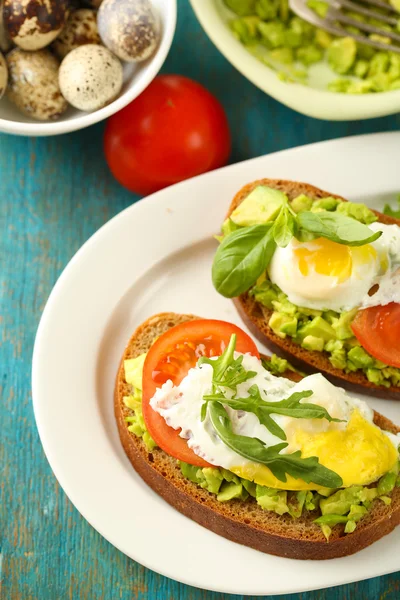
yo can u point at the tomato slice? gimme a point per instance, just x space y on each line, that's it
378 331
171 357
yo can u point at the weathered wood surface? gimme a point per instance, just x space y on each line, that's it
54 193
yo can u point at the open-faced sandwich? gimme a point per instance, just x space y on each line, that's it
248 448
317 279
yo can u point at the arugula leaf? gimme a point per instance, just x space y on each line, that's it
241 258
336 227
284 227
290 407
308 469
391 212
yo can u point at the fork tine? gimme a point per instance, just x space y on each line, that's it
381 4
357 8
335 15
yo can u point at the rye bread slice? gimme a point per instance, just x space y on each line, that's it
242 522
256 316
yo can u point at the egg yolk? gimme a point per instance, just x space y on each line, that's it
329 258
360 454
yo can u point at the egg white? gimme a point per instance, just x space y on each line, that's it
374 267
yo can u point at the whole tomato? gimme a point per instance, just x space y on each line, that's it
174 130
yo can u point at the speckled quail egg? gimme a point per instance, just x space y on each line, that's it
33 84
129 29
5 42
3 75
90 77
34 24
81 28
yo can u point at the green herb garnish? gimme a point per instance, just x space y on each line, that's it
391 212
336 227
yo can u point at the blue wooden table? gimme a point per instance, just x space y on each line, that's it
54 194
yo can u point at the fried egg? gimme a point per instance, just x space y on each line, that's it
325 275
354 448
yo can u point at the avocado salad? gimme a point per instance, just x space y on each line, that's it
329 506
289 45
255 244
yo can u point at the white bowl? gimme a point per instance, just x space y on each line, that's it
311 100
136 78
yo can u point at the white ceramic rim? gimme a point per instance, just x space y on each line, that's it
93 470
87 119
320 104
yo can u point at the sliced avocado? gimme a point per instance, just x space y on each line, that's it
261 205
318 328
241 7
360 358
134 370
283 325
311 342
301 203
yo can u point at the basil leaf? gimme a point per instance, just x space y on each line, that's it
241 258
308 469
283 229
336 227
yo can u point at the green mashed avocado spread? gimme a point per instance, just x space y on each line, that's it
289 45
330 507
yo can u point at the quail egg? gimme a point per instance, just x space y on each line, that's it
90 77
81 28
33 84
34 24
129 29
3 75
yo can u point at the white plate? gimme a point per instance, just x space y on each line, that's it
312 100
156 256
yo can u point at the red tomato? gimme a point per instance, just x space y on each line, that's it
171 357
378 331
174 130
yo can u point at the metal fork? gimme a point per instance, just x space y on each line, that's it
334 17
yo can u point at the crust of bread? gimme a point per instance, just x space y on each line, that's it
257 316
242 522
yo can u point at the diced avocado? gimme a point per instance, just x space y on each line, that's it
328 203
301 203
265 293
228 226
245 29
267 9
283 324
270 499
309 54
282 55
323 39
367 495
340 502
293 39
359 357
230 491
350 526
394 68
392 374
148 440
261 205
338 359
379 64
319 7
357 211
318 328
134 401
277 365
342 326
250 487
272 34
356 512
326 530
190 472
296 508
395 85
360 68
136 429
333 345
309 312
339 86
388 481
376 376
386 500
342 54
241 7
213 479
134 369
381 82
311 342
284 306
312 501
